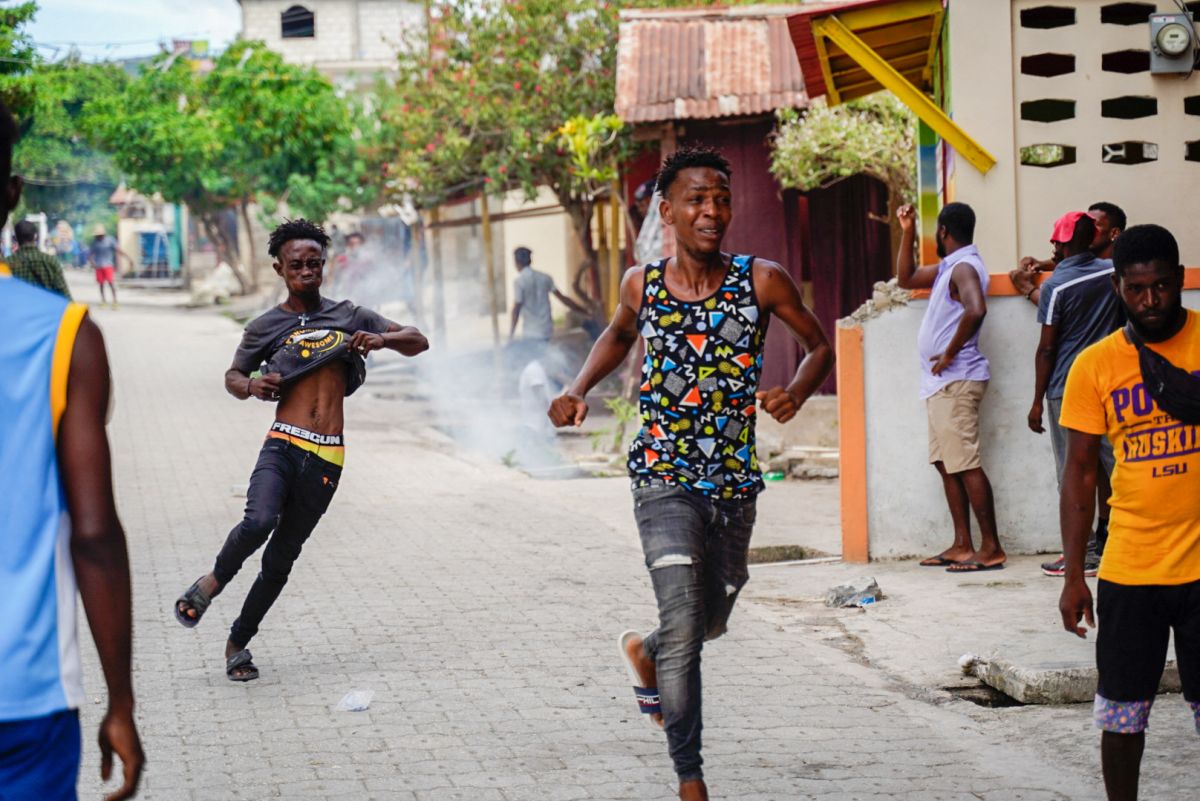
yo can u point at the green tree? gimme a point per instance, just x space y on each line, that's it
874 136
253 128
484 94
17 56
65 175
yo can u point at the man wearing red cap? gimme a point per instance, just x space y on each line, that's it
1076 308
1110 222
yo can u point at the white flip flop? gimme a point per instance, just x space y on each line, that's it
647 697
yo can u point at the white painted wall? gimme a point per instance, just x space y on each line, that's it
982 104
906 504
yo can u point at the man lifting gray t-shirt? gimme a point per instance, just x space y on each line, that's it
295 344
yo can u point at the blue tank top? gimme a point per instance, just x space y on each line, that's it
40 671
703 361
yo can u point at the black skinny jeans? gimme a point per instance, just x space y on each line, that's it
289 491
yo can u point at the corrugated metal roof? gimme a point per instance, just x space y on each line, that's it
706 63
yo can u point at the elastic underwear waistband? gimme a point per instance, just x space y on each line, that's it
308 436
330 447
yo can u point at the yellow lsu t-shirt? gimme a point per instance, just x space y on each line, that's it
1154 528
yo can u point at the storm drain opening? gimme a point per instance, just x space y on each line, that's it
983 695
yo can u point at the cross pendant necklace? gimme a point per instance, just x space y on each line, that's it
303 319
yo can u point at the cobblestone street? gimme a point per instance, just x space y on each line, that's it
482 609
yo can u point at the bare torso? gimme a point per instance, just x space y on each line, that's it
315 401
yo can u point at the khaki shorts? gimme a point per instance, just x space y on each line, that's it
954 425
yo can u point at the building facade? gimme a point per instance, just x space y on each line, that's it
351 41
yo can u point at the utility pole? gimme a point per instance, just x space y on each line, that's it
490 261
614 248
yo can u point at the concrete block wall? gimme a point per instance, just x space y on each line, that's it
906 512
383 25
1018 202
334 29
363 33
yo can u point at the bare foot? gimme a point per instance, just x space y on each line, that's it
644 665
694 790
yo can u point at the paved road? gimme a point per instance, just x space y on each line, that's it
482 610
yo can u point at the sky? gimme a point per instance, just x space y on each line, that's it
107 29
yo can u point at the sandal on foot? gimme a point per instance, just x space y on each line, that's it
242 664
973 566
938 561
647 697
197 599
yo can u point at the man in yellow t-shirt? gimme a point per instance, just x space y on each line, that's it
1149 581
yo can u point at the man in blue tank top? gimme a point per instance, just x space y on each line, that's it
703 315
60 536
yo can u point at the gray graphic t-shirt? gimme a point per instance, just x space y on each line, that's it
294 344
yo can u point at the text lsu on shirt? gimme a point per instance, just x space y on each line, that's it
1154 529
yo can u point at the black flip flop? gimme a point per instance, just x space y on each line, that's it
937 561
197 599
971 566
241 661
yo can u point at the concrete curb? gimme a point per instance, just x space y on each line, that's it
1052 684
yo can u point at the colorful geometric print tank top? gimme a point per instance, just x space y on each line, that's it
703 361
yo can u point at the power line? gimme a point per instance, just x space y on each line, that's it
118 44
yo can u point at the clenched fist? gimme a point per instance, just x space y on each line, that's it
567 410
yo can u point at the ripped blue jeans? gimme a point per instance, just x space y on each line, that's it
695 549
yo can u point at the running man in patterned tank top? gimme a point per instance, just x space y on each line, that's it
703 315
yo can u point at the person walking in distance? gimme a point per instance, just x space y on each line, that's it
313 350
531 300
61 535
1149 582
703 315
102 255
954 377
